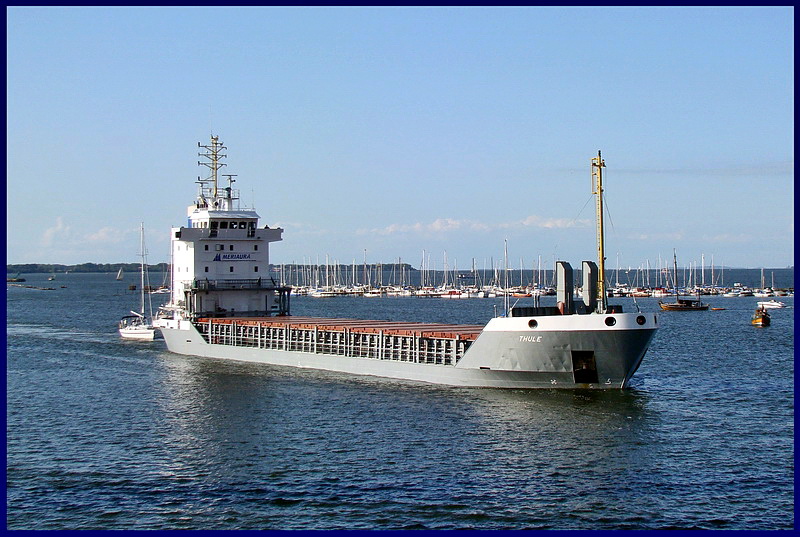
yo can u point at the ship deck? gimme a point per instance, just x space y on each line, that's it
428 343
468 332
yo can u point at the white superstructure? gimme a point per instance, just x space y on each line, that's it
220 259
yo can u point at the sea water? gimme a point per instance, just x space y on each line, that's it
110 434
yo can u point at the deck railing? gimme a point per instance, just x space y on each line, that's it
242 283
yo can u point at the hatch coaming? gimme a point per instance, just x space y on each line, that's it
420 343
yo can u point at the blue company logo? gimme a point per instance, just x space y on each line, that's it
232 257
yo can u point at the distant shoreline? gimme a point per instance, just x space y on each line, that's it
44 268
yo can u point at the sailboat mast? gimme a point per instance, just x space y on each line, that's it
141 243
675 279
597 184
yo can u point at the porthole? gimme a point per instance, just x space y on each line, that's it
640 319
610 321
532 323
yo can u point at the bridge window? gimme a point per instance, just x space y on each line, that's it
223 225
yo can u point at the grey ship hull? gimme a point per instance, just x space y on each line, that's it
506 354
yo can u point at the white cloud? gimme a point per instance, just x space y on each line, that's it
657 237
57 233
445 225
105 235
551 223
729 238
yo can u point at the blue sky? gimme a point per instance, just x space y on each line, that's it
398 130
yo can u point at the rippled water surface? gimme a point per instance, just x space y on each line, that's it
108 434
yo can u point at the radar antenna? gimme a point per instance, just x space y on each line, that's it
213 155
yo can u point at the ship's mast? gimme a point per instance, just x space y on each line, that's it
213 155
597 186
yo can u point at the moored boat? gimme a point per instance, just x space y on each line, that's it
771 304
15 279
220 308
681 304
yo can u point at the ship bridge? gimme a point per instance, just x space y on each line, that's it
221 257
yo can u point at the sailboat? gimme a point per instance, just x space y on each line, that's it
681 304
119 274
16 278
139 325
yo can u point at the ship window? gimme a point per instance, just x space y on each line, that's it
233 225
255 247
640 319
219 247
610 321
231 247
231 269
213 225
532 323
223 225
206 245
255 269
252 225
242 225
206 269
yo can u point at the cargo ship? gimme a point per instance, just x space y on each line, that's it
224 305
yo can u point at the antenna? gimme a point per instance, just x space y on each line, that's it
213 154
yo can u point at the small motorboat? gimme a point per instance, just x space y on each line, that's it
760 317
771 304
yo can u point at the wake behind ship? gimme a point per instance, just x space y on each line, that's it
224 304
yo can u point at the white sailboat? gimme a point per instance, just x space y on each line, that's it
139 325
119 274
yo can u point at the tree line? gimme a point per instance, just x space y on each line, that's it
34 268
